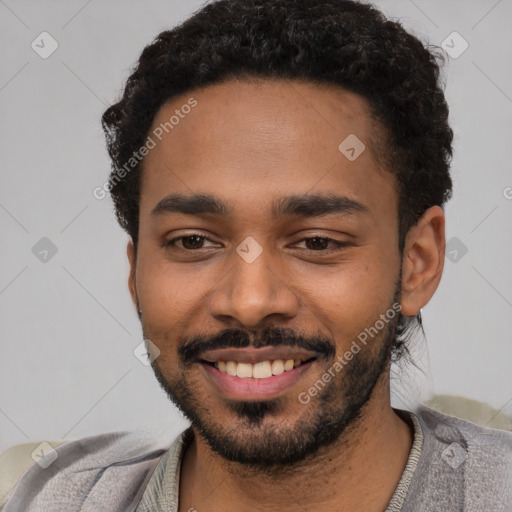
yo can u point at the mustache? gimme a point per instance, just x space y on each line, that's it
190 348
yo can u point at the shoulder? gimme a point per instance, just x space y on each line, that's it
475 460
475 437
110 468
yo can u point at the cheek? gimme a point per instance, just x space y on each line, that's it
173 298
165 294
354 297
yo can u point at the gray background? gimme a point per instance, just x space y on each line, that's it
68 328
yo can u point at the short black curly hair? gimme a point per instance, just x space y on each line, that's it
341 42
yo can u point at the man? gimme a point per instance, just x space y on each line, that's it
281 167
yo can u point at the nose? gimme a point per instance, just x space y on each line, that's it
251 292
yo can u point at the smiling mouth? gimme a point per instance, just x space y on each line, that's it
259 370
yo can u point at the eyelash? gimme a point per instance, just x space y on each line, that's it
338 245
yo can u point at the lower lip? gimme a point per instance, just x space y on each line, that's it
238 388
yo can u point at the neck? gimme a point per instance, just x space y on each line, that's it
360 470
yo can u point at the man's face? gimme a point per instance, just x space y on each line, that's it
261 284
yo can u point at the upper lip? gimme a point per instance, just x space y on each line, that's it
256 355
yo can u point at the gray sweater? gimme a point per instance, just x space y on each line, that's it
454 466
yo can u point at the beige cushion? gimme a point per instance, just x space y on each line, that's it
471 410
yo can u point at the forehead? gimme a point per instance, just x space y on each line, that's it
250 142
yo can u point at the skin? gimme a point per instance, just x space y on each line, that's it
249 143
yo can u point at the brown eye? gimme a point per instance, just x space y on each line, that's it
188 242
317 243
192 242
320 244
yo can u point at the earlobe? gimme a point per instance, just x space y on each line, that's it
423 260
132 258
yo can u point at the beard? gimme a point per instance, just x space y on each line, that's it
280 433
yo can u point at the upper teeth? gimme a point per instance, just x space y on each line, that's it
261 370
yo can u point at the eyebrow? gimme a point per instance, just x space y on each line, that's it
306 205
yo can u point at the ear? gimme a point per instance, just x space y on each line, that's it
132 258
423 260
